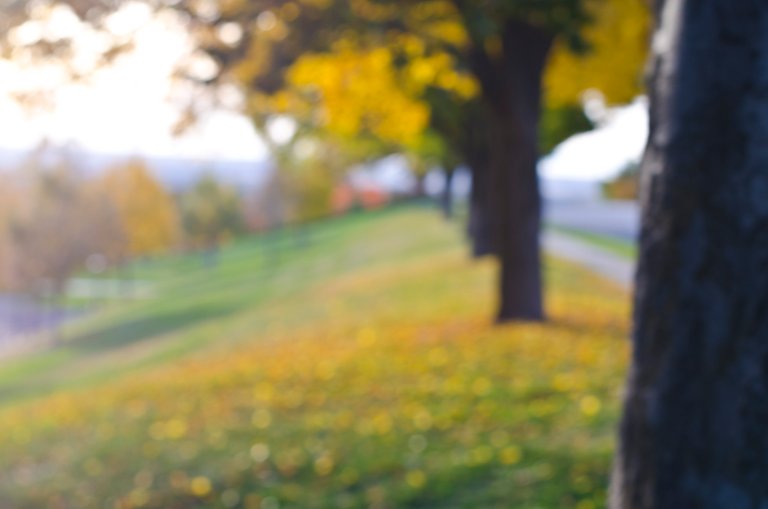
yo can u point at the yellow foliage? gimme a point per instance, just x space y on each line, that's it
200 486
358 91
450 31
146 211
373 10
619 43
320 4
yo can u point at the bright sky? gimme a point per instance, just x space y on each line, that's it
129 107
601 153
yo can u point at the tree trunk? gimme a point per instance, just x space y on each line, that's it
419 186
475 150
479 223
446 197
511 89
693 433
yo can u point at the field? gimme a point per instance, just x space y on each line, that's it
351 364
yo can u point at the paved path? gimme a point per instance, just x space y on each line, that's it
618 219
614 267
24 322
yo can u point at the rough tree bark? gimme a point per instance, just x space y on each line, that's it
511 91
696 411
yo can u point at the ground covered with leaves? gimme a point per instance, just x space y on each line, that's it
378 383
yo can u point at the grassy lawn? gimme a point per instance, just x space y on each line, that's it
622 248
349 366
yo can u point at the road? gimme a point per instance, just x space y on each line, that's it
618 219
21 318
609 265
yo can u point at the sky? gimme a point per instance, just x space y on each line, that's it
129 107
600 154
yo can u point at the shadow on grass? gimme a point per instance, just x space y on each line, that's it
42 377
145 328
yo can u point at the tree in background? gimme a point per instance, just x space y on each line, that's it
316 179
353 105
211 213
8 197
55 227
267 207
693 431
147 212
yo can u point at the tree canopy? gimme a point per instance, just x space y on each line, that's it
210 213
147 212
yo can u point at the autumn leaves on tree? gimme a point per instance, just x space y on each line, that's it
57 222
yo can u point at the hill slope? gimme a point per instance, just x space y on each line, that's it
358 371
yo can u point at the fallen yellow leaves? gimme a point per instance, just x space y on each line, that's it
342 415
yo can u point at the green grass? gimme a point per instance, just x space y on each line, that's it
356 367
622 248
195 304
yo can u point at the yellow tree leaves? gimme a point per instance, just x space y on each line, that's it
356 91
378 90
146 211
359 90
618 41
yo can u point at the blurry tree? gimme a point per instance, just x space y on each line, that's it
360 102
432 152
616 47
55 228
8 199
361 65
211 213
147 212
307 165
268 207
356 91
505 45
693 431
314 185
431 47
